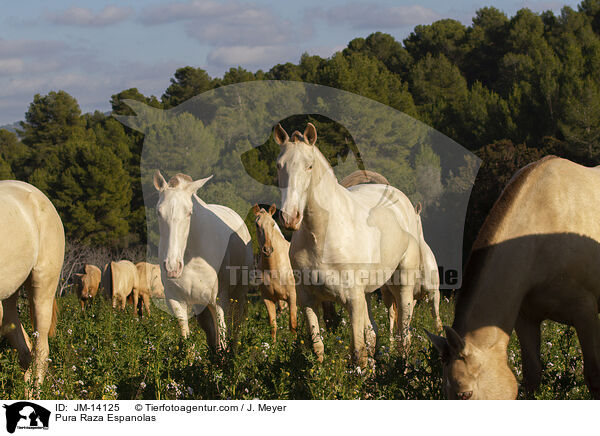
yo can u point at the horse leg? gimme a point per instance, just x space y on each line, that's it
388 300
315 334
370 328
293 311
272 312
13 330
587 326
434 301
136 299
146 302
220 310
357 310
528 332
404 292
403 295
209 325
179 310
82 305
41 289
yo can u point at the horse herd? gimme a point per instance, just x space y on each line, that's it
122 281
535 258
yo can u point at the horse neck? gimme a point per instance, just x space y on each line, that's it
279 259
489 302
200 222
324 197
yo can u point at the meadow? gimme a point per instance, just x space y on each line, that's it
105 354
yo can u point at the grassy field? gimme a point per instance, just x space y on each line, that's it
103 354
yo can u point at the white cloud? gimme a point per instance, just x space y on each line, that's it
11 66
375 16
250 55
29 47
92 89
76 16
184 11
229 23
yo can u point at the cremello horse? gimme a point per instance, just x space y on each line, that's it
32 255
348 242
277 278
204 252
430 279
536 257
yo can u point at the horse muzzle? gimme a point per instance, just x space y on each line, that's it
267 251
173 273
292 222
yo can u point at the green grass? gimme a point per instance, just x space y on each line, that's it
104 354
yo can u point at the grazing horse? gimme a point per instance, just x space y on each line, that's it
277 279
123 282
347 243
204 250
535 258
149 276
88 284
32 255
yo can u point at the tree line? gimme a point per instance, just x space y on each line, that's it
509 89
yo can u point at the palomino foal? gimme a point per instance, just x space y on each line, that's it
203 251
277 281
347 243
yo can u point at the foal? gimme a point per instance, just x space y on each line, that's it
277 281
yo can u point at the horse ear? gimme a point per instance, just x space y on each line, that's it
272 209
280 135
256 209
439 342
455 342
194 186
159 181
310 134
419 208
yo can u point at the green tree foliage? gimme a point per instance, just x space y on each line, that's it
13 154
444 37
187 82
92 193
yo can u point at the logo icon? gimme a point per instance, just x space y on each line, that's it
26 415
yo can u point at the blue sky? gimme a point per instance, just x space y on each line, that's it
93 49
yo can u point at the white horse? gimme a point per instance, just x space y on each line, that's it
348 242
33 247
204 250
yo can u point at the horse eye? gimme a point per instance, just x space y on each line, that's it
309 167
